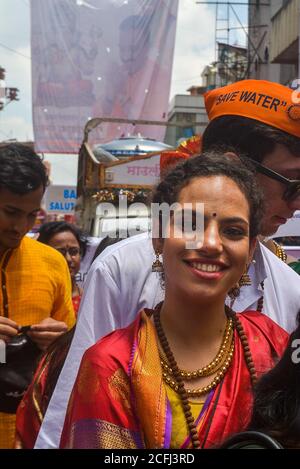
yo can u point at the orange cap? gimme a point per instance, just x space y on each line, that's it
186 149
265 101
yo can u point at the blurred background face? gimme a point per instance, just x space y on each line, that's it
211 269
277 210
67 244
17 216
133 48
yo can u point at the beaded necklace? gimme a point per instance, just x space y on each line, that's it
218 365
214 365
183 393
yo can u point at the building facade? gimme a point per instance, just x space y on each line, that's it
189 110
273 52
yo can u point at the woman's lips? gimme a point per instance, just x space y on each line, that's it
206 270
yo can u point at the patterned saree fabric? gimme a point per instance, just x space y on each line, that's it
120 401
32 408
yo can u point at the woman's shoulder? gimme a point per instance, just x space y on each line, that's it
115 347
260 320
260 328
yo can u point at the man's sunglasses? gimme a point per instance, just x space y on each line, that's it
292 190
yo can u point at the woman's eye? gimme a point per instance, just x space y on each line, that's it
235 232
188 227
189 224
186 223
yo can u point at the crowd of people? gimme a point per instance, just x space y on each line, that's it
174 347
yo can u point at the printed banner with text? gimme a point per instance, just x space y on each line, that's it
99 58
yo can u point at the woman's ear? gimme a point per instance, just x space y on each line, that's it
157 242
252 247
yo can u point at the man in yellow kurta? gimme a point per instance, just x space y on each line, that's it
35 285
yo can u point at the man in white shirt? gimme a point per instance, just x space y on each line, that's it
120 282
86 261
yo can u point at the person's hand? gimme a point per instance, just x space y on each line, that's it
8 329
48 330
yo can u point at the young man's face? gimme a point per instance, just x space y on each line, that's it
278 211
17 216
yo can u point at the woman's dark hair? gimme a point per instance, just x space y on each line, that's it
21 169
276 409
104 243
58 351
51 228
213 164
249 137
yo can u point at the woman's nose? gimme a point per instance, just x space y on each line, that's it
212 240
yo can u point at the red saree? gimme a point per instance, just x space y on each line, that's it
76 303
33 406
119 399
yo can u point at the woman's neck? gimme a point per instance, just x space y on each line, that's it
194 331
75 288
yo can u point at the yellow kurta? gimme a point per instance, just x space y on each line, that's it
37 285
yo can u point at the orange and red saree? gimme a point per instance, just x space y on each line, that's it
34 404
119 399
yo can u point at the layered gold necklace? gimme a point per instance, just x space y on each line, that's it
218 366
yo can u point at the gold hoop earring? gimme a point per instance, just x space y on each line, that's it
245 280
157 265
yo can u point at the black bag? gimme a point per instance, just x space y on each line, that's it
16 374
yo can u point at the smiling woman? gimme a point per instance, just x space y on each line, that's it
166 381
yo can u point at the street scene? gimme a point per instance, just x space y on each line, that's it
149 227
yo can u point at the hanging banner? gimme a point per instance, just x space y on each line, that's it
99 58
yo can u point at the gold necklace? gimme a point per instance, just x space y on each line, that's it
214 366
182 392
279 251
204 389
